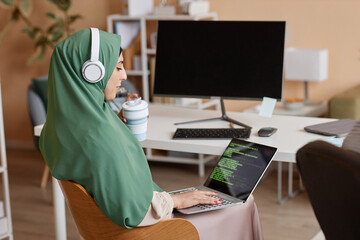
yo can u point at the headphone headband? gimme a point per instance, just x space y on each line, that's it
95 44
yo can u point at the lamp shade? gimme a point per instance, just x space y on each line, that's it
306 64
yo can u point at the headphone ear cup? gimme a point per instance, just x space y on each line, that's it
93 71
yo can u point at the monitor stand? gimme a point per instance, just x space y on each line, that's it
223 117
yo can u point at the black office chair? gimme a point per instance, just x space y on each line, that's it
331 176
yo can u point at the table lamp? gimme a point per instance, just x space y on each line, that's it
305 64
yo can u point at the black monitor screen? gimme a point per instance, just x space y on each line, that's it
229 59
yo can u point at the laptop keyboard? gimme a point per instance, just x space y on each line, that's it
206 133
207 206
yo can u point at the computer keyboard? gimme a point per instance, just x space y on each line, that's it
207 133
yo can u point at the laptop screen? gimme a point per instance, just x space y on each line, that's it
240 168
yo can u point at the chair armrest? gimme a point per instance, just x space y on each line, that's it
175 229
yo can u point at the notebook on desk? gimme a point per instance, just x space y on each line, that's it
235 175
337 128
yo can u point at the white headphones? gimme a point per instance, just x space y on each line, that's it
93 70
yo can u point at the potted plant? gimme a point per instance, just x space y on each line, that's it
43 38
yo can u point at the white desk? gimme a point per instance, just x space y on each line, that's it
288 139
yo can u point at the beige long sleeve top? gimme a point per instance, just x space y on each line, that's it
161 208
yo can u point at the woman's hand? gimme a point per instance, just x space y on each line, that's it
129 98
192 198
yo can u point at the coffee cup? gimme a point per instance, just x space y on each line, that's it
136 113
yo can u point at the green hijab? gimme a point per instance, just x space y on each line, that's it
84 141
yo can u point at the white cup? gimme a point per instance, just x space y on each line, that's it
136 113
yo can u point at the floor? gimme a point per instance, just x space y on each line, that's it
32 210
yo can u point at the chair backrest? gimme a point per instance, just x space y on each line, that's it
36 107
93 224
37 111
331 176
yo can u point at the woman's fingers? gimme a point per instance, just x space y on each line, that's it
129 98
121 116
208 193
207 197
132 96
209 200
191 198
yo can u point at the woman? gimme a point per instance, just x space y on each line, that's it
84 141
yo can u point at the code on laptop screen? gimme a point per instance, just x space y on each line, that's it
240 168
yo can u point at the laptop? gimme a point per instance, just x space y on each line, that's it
338 128
235 176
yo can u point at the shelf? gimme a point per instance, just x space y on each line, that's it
212 15
6 229
145 51
6 235
151 51
136 72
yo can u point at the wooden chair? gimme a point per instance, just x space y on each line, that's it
93 224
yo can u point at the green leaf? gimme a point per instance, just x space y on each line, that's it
25 7
56 36
6 3
56 18
38 54
31 31
64 5
40 42
55 33
53 28
73 18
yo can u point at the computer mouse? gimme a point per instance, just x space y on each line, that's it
266 131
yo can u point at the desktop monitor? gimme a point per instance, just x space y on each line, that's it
225 59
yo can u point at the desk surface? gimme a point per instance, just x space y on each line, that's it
288 139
